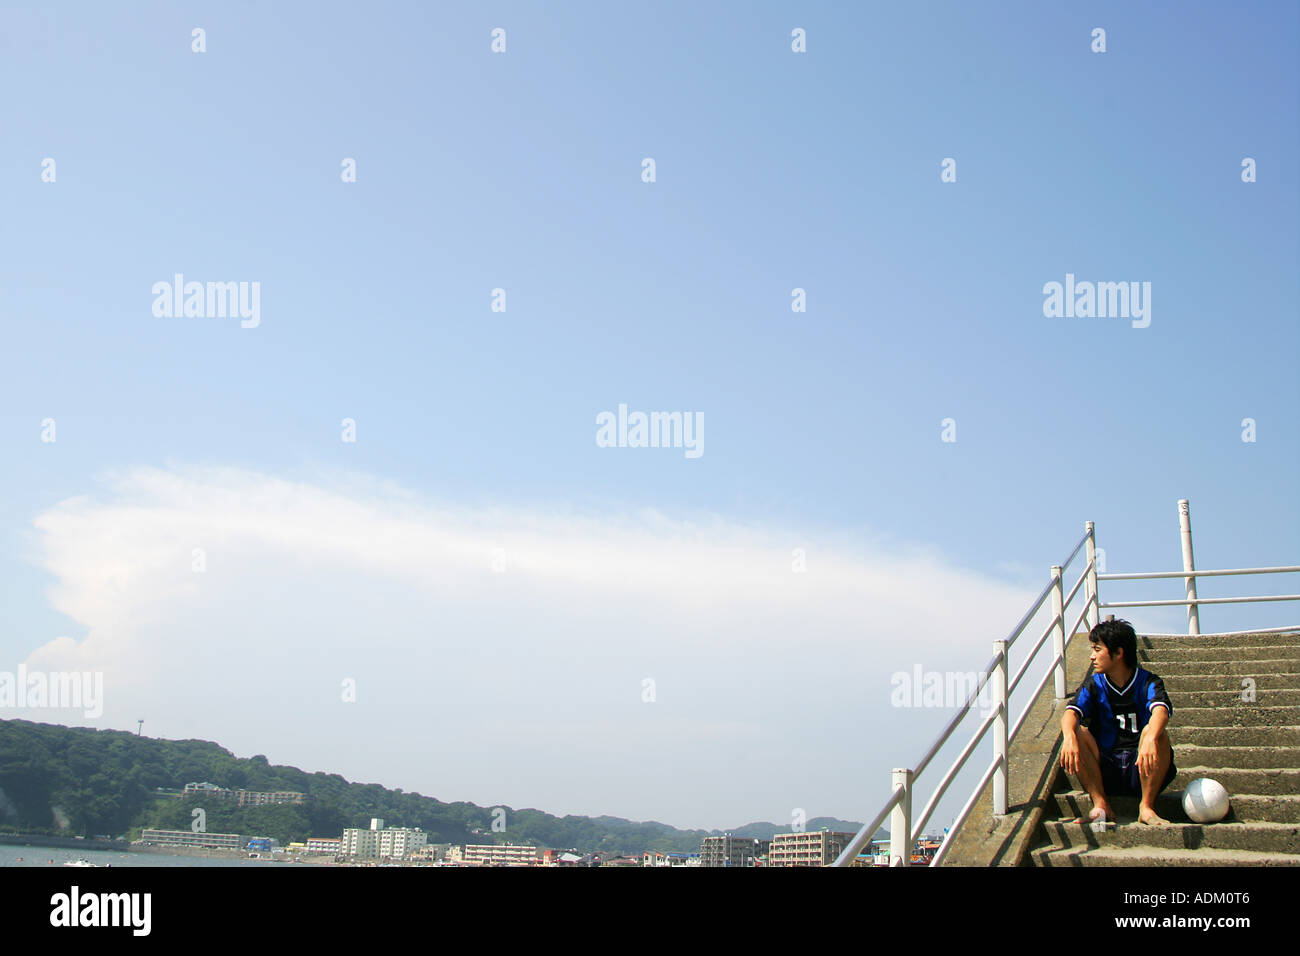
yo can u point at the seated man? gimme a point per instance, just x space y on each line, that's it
1125 749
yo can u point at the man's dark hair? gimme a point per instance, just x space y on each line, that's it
1114 635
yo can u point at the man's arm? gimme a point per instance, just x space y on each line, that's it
1074 713
1156 694
1070 741
1159 711
1147 744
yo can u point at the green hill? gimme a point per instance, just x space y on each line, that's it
81 781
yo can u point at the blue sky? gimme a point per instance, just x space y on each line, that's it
522 171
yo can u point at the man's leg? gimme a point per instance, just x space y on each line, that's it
1089 775
1153 782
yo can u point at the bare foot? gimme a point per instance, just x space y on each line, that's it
1098 817
1149 816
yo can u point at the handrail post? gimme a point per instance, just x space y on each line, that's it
900 821
999 677
1090 592
1189 564
1058 634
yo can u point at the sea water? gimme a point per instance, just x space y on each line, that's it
42 855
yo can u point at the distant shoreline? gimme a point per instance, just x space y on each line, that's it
223 854
122 846
63 843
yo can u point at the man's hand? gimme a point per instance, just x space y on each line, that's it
1070 752
1147 755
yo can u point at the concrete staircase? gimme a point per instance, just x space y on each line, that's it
1253 749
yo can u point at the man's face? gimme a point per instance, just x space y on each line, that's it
1102 661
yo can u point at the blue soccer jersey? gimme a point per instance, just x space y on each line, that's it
1116 715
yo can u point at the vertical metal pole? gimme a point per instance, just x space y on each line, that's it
1000 728
900 822
1090 589
1189 564
1058 634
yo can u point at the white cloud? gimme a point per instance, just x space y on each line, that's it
521 687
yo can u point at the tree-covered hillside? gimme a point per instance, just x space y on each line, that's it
76 780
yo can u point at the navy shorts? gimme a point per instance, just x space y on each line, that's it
1120 777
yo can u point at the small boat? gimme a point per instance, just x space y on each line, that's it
78 863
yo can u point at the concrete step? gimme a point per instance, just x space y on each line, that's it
1160 655
1258 781
1257 837
1257 735
1286 671
1243 757
1261 782
1270 639
1268 688
1148 856
1245 808
1238 715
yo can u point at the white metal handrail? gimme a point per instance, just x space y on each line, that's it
1196 601
1024 667
998 764
952 724
899 793
904 831
1051 626
1189 574
1115 576
960 762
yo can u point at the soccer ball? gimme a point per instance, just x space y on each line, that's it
1205 800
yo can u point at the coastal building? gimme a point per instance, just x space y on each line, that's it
429 853
924 849
260 798
660 858
203 788
811 848
330 845
380 842
495 855
242 798
560 858
220 841
396 843
730 850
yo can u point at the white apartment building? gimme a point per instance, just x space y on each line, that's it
380 842
396 842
